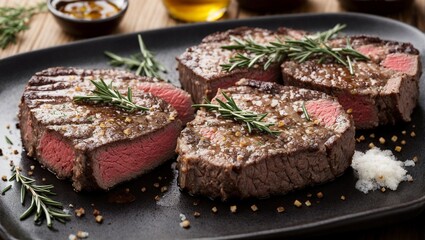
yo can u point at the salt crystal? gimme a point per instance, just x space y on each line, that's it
409 163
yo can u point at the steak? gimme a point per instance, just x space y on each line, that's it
218 158
97 146
199 67
382 91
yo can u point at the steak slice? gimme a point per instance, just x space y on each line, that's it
199 67
178 98
97 146
218 158
382 91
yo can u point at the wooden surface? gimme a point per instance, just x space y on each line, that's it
150 14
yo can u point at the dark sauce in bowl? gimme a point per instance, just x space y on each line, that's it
87 9
88 18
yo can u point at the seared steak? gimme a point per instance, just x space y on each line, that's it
382 91
199 66
218 158
98 146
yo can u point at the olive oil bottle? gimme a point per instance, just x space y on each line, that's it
196 10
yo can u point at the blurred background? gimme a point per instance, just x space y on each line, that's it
151 14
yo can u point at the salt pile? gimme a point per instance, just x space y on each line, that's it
379 168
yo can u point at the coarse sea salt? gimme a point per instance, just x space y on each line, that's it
378 168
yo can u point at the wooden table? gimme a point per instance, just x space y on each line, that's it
150 14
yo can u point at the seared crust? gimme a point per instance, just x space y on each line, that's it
199 67
388 95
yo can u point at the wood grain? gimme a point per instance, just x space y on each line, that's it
150 14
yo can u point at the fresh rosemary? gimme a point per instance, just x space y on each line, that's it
105 93
229 109
306 115
8 140
41 204
144 62
298 50
6 189
14 20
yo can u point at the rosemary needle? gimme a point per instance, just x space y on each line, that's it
6 189
105 93
306 115
8 140
229 109
42 206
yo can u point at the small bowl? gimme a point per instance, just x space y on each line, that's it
86 27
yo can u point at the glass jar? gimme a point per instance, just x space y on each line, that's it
196 10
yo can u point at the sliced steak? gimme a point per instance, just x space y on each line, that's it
97 146
382 91
178 98
199 67
218 158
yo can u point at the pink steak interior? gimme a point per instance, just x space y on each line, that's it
177 98
401 62
56 154
363 110
324 110
124 161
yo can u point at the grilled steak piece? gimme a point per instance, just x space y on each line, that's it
178 98
199 66
98 146
220 159
382 91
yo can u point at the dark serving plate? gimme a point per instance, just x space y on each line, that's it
147 218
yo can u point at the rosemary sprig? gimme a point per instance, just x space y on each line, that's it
14 20
229 109
144 62
6 189
105 93
41 204
313 46
8 140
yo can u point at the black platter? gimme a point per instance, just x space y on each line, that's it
151 219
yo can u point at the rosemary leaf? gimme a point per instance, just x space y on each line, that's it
42 206
313 46
8 140
23 194
105 93
6 189
29 210
306 115
229 109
